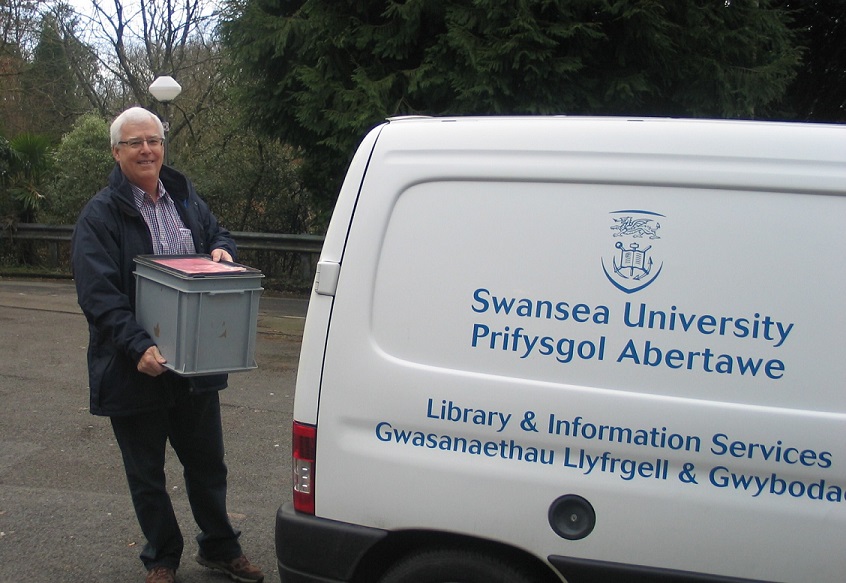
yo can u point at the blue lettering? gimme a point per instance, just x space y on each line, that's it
749 365
501 304
704 360
484 300
480 295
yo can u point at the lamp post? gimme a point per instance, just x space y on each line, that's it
165 89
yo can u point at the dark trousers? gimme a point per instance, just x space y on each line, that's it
194 430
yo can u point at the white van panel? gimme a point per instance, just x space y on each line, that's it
539 304
700 282
310 367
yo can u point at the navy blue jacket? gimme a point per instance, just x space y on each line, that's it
109 233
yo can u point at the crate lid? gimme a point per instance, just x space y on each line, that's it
195 265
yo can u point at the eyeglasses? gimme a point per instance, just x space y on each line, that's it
136 143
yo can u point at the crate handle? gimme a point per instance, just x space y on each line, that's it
224 292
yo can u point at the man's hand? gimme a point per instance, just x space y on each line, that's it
220 255
151 362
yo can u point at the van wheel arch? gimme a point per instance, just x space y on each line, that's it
412 548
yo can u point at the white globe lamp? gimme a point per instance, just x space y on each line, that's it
165 89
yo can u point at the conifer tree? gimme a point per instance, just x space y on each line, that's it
53 100
819 91
319 73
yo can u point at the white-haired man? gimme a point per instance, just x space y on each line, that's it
150 208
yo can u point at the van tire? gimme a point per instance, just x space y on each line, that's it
451 566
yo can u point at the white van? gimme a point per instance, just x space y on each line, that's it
576 349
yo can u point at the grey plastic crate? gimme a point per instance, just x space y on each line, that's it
203 321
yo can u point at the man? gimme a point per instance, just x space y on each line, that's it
150 208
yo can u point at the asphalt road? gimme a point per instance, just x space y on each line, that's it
65 512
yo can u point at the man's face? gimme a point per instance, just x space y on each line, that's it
140 165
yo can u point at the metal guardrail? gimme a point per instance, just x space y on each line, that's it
245 239
56 234
39 232
278 242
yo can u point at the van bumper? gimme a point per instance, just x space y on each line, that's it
316 550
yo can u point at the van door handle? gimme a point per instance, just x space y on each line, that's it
326 277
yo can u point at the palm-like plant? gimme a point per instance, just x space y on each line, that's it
28 161
24 167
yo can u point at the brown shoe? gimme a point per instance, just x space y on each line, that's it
239 569
161 575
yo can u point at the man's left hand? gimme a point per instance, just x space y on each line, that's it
221 255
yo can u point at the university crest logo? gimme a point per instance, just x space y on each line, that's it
632 261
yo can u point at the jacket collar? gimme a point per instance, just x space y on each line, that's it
175 183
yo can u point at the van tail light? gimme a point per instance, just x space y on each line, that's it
304 446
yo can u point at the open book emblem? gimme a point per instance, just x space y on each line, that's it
633 264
